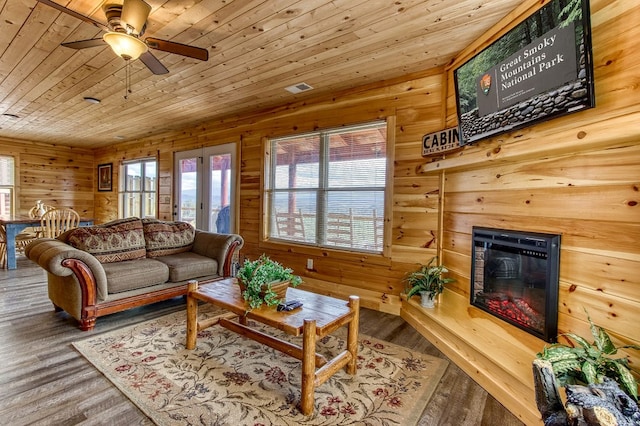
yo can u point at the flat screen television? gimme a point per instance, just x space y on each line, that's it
540 69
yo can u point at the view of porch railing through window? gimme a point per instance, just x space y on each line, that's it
327 188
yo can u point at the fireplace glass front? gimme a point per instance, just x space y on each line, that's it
515 277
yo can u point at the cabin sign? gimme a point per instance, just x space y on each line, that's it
440 142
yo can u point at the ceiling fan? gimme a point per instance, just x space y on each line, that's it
126 23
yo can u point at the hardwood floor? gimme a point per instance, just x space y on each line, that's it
44 381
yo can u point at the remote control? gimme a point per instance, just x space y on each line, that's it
289 305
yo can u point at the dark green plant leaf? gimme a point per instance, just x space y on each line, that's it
558 352
566 366
627 380
589 372
581 341
602 340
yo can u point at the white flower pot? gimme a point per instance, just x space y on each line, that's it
427 300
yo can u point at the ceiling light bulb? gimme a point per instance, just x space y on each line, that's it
125 45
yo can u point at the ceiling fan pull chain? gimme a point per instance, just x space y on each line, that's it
127 79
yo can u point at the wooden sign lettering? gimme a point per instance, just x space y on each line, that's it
440 142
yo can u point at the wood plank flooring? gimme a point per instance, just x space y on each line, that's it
44 381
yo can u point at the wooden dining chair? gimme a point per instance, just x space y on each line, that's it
56 221
3 248
31 233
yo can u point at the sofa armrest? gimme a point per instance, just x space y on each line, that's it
221 247
61 259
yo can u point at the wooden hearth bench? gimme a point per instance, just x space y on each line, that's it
318 317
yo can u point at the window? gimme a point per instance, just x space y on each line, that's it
138 193
7 183
327 188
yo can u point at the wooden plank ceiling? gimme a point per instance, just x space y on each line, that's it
257 48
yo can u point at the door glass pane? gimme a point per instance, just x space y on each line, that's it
188 187
204 181
219 192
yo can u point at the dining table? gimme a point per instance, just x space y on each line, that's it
13 225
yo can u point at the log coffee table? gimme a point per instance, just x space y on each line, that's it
318 317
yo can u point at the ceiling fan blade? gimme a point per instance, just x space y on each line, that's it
83 44
74 14
153 63
178 48
134 15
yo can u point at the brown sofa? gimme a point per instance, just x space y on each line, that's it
98 270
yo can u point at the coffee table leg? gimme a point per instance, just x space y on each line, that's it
192 316
308 366
352 334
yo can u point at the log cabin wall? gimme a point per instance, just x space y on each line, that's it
58 175
577 176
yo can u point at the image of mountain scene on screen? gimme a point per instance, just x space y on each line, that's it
539 69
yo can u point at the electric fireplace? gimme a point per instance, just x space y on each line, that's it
514 276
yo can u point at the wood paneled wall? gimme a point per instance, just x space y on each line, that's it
58 175
576 175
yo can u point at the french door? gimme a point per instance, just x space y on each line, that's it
205 182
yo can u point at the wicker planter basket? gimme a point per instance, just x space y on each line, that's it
278 287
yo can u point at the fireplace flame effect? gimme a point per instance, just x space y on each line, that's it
516 309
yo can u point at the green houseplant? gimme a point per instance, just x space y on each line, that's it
590 363
258 280
427 281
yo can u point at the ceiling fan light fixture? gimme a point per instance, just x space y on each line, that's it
125 45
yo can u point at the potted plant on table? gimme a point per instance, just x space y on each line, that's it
428 282
265 281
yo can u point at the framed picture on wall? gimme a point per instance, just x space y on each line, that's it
105 177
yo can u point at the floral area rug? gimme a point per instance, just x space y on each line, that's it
231 380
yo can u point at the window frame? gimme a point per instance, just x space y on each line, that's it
323 188
124 192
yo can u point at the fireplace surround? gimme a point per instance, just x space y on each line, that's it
514 276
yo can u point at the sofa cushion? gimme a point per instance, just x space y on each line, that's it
115 241
189 265
135 274
165 238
